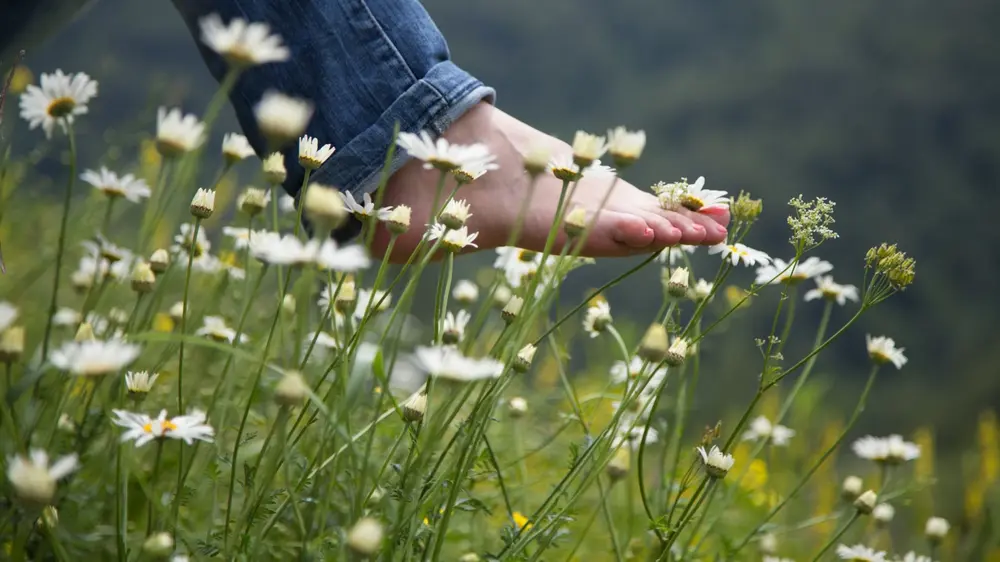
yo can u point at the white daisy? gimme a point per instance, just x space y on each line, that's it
59 99
282 118
453 325
697 198
762 428
701 290
883 350
465 291
8 313
737 253
379 301
588 147
632 436
443 155
110 184
936 528
564 168
186 242
286 204
142 428
716 463
473 171
241 43
332 256
860 553
452 240
626 146
240 236
518 264
236 147
177 133
892 449
914 557
448 363
214 327
311 154
620 372
94 357
330 294
597 317
366 209
275 249
674 254
140 382
781 271
32 477
827 289
455 213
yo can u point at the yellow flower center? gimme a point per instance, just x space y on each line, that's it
566 174
165 426
238 55
525 255
442 165
692 202
61 107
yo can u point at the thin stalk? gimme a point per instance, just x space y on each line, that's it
836 537
61 245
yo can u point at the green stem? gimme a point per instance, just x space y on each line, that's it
836 537
61 245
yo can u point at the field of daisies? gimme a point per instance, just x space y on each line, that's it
194 370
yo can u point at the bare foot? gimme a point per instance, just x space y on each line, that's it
632 221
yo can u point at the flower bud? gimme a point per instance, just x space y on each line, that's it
288 304
587 148
282 119
625 146
324 207
414 407
365 538
346 297
883 514
501 296
865 503
455 214
745 209
655 344
252 201
518 407
618 467
158 545
575 222
49 518
936 529
677 286
274 168
677 353
292 389
469 557
512 309
524 358
143 278
65 424
768 543
159 261
203 203
851 488
85 332
12 344
398 220
537 160
177 311
465 292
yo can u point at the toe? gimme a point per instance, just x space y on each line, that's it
632 231
714 232
691 232
666 233
719 214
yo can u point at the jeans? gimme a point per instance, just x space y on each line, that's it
365 64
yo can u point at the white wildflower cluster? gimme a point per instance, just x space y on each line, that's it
691 196
811 221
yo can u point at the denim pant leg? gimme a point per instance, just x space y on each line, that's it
365 64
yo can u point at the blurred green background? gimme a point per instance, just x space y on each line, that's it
891 109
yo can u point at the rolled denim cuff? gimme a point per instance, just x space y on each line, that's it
432 103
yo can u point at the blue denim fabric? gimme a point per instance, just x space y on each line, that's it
365 64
